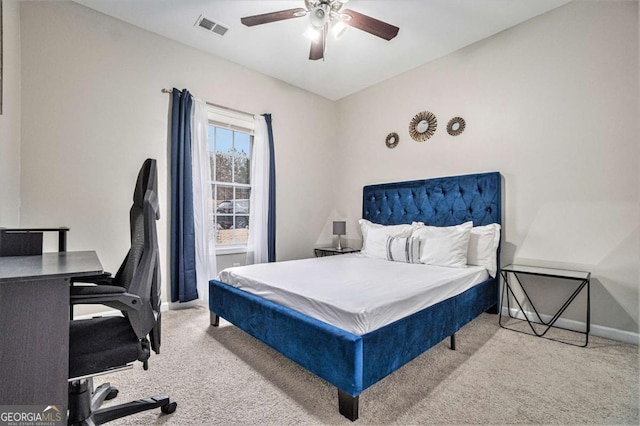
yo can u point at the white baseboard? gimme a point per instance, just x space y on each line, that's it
596 330
185 305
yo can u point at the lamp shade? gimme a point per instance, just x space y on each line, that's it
339 228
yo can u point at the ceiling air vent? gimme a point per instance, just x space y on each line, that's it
211 26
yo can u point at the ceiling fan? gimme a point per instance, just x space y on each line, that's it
326 14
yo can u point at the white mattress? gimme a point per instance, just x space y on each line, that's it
353 292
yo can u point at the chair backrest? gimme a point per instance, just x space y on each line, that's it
125 274
140 271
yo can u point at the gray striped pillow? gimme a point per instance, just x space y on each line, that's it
403 249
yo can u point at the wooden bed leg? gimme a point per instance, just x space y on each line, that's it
453 342
348 405
214 319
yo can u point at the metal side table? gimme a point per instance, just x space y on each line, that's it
583 277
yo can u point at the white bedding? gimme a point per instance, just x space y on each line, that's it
353 292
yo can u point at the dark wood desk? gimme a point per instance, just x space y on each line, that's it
34 325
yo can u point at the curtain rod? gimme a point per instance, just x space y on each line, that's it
216 105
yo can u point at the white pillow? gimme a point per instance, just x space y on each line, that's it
401 249
483 247
374 237
444 245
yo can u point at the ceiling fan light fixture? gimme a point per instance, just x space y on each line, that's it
320 15
339 29
313 34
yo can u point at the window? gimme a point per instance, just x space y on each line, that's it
230 141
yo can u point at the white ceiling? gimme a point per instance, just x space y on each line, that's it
429 29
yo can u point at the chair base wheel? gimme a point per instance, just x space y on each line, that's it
112 393
169 408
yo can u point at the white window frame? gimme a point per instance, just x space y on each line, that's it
237 121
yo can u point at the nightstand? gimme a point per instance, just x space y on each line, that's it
583 279
332 251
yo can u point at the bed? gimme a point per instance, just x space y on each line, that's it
348 359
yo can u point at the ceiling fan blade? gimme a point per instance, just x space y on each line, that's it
317 49
370 25
318 46
266 18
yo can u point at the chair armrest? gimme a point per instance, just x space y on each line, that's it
121 301
83 290
103 279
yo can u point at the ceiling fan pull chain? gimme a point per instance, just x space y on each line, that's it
324 40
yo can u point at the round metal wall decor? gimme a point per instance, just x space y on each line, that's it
392 140
423 126
456 126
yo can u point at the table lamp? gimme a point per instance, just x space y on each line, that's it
339 228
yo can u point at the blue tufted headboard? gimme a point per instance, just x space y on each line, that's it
442 201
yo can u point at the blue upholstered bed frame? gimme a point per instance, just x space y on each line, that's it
350 362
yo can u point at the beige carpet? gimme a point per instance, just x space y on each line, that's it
224 376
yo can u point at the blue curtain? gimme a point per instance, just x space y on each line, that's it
271 220
183 246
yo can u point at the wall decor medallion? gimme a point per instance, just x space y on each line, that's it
392 140
456 126
423 126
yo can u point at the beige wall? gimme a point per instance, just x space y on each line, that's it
10 118
552 104
92 111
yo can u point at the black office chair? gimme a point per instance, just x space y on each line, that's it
107 344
